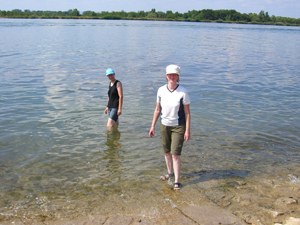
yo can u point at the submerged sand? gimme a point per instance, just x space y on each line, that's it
222 201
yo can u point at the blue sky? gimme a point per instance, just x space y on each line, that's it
286 8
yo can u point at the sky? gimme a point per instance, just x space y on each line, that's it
285 8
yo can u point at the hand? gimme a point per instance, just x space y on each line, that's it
119 112
106 110
187 136
151 132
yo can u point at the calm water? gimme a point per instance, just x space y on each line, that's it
57 158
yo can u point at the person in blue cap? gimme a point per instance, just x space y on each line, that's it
115 99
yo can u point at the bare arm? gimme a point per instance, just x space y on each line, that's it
155 118
187 134
120 93
106 109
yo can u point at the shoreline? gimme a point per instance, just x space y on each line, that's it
155 19
206 203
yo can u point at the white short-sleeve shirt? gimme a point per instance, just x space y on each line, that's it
172 105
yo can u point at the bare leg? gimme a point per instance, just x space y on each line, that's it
177 167
111 124
169 162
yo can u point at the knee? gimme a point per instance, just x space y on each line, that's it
110 123
176 157
110 126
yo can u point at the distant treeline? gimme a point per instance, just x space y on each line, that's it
205 15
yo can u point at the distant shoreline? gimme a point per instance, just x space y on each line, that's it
157 19
204 15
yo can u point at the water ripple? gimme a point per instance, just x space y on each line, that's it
56 155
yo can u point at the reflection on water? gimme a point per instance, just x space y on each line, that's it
112 142
113 155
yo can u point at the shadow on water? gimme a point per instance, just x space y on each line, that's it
208 175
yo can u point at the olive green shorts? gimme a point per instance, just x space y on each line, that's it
172 138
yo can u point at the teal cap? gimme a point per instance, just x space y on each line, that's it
109 71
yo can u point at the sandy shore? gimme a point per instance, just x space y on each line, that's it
258 201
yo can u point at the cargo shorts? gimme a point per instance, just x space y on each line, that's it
172 138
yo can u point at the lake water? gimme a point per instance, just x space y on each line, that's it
57 159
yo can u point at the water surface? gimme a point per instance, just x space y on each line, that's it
58 160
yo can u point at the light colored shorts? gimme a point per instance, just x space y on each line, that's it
172 138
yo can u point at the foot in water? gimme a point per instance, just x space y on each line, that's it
177 186
167 176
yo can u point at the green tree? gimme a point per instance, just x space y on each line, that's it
3 13
86 13
169 14
151 15
208 14
141 14
123 14
75 12
177 15
273 19
261 16
132 14
200 17
254 17
228 18
267 17
161 14
245 17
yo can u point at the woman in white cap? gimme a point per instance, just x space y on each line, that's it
173 104
115 99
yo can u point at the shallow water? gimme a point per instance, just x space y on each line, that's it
57 159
